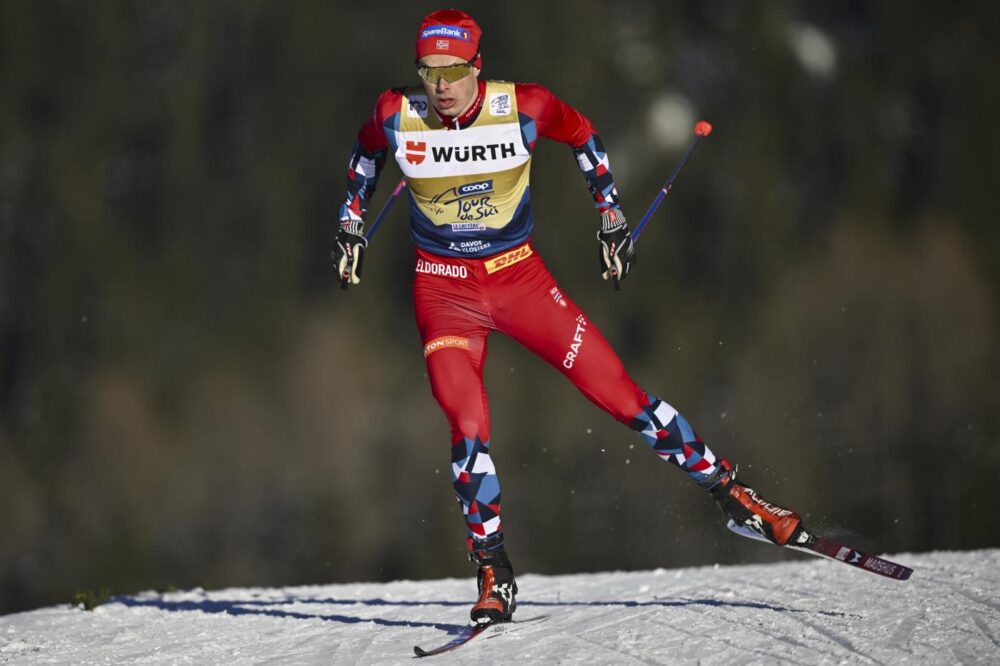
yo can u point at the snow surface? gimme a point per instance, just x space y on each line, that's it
806 612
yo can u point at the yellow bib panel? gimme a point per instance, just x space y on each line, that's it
468 187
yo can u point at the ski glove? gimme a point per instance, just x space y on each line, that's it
349 253
617 250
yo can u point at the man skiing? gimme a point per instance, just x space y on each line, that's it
465 146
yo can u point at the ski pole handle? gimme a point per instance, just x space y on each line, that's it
701 129
345 278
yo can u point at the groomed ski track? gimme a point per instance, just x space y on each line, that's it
802 612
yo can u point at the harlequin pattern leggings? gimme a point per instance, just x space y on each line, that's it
458 302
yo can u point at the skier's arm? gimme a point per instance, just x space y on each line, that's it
363 171
559 121
364 168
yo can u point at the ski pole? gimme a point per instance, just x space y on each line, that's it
385 208
345 278
701 129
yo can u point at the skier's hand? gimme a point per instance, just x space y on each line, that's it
349 253
617 253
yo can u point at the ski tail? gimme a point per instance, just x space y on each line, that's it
472 630
467 634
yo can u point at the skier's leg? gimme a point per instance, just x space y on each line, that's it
455 368
672 438
456 381
530 307
451 309
534 311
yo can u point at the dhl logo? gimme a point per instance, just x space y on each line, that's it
506 259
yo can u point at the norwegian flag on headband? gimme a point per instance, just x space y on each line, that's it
449 32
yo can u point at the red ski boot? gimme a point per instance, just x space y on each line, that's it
497 588
742 503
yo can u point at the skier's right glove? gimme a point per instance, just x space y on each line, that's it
349 253
617 250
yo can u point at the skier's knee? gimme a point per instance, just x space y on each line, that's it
471 428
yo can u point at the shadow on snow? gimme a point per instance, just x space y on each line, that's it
269 608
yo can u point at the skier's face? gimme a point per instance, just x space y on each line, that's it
450 99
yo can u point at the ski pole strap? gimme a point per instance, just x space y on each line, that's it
385 208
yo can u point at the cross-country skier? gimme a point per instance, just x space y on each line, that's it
465 147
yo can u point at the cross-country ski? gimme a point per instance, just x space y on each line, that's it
822 547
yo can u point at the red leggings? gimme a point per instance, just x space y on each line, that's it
458 301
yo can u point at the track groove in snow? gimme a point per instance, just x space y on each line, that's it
803 612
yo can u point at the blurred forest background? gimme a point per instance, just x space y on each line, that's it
187 398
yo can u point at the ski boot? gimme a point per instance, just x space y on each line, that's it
497 587
742 503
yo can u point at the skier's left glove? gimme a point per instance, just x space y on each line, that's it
349 252
617 253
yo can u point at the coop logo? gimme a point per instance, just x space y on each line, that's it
417 107
574 348
482 187
416 152
449 31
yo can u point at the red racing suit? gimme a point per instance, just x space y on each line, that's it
476 270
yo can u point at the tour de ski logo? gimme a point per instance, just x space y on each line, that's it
472 204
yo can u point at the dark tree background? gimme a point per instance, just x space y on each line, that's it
187 398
